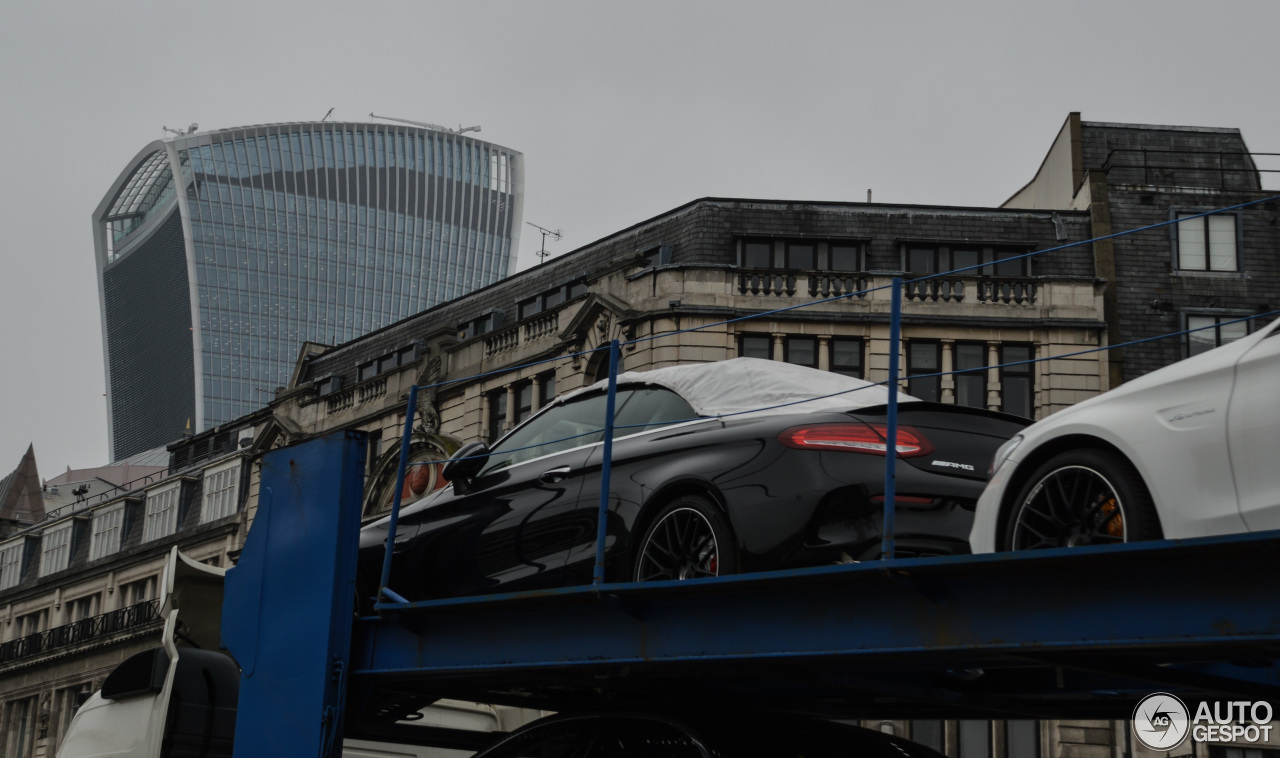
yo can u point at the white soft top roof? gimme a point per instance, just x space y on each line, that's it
742 385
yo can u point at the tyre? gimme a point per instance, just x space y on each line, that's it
689 538
1082 497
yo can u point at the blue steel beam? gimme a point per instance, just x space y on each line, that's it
287 604
1070 626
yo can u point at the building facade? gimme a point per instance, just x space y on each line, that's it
80 588
219 253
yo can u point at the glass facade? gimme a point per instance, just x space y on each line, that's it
306 232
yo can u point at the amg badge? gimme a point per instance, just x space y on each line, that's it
949 464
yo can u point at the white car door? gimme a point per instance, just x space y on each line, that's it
1253 433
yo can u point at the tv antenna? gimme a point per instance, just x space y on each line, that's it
327 115
554 234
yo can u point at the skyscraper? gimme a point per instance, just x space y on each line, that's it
219 253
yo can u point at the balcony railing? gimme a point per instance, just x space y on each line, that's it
133 618
998 290
533 329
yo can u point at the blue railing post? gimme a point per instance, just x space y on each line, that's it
607 464
395 501
891 444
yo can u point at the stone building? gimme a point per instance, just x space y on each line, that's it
709 266
79 589
1185 274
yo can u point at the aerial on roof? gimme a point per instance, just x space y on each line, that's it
746 385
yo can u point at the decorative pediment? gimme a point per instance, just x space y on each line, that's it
600 319
278 431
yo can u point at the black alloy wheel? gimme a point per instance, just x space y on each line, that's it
1082 497
688 539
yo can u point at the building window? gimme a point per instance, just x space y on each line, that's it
971 385
552 298
576 289
546 388
162 513
136 592
108 525
524 402
528 308
55 548
1213 332
975 739
755 346
965 258
846 356
221 485
922 260
1022 738
844 257
11 565
928 733
497 413
20 727
802 255
924 361
1207 243
1009 264
757 254
802 351
31 623
82 608
941 259
375 450
1016 388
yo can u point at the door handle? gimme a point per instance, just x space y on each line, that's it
554 475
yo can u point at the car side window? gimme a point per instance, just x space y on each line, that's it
563 427
650 408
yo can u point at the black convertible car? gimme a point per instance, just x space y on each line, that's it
718 468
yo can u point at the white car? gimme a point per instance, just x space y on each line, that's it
1187 451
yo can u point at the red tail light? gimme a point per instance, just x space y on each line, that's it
855 438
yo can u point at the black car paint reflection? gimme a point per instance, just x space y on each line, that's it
527 517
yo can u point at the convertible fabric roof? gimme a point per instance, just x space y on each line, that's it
742 385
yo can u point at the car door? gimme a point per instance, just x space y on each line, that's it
513 525
1253 432
639 413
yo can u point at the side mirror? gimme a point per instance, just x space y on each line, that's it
466 463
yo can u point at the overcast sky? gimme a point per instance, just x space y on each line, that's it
623 111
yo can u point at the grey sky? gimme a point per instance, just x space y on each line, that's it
622 111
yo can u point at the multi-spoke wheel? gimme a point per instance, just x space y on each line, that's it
688 539
1081 497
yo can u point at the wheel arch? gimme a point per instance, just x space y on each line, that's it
1044 452
661 496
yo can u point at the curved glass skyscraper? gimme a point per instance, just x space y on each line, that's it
219 253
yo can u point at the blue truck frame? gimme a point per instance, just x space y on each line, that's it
1082 632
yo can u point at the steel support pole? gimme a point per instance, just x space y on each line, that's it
891 444
396 498
607 464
